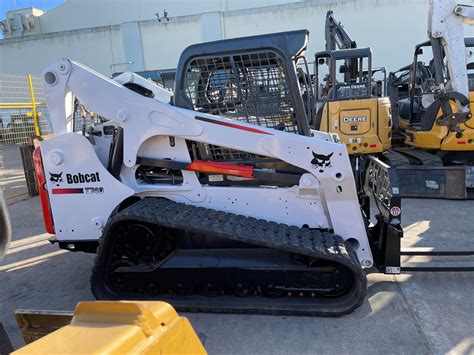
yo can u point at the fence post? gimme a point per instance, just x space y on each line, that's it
33 106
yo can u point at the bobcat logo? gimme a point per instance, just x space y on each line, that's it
56 177
321 161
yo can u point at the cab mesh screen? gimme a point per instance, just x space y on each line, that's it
249 87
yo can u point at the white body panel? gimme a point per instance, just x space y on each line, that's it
79 216
324 198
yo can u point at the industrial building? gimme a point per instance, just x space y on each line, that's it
145 35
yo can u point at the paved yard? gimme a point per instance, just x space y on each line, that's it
420 313
12 176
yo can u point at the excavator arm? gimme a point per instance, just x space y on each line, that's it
445 29
336 35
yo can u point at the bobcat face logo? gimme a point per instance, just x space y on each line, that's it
321 161
56 177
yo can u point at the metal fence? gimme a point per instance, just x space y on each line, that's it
23 114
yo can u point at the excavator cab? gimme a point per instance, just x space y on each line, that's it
431 101
349 100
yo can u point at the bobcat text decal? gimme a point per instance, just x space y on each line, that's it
321 162
75 178
78 178
81 178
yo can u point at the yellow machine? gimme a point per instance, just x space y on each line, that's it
352 104
441 139
434 128
431 138
424 108
349 101
122 327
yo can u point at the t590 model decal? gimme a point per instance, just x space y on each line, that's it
67 191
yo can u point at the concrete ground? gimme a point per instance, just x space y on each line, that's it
12 176
419 313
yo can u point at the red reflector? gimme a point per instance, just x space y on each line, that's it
373 145
461 142
41 181
221 168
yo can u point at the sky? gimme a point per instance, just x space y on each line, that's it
7 5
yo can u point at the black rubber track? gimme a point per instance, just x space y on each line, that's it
303 241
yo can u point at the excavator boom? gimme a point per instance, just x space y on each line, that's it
336 34
445 24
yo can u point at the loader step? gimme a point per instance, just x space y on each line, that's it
331 284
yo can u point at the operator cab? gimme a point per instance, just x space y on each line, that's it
426 83
350 99
250 79
346 74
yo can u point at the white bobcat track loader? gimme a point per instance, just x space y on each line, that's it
184 204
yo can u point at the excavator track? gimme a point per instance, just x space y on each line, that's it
321 275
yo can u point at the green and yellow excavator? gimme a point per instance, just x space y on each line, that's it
418 121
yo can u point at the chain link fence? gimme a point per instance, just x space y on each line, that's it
23 114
